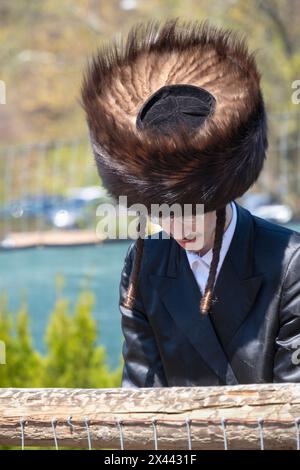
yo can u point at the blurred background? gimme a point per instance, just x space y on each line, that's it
59 284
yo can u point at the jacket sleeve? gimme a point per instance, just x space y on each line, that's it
142 362
287 356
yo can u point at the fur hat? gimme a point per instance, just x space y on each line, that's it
176 115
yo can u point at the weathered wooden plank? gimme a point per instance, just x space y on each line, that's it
95 411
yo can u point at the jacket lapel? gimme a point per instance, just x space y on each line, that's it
235 291
181 296
237 284
233 300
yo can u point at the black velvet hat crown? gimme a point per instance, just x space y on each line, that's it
176 115
175 105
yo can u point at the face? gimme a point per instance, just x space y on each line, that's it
189 232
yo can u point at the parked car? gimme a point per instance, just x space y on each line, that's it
30 206
78 209
268 207
75 210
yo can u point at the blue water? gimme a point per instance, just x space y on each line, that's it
32 273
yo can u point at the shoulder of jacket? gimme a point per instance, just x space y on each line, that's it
156 247
154 242
277 233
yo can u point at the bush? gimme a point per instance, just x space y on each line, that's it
73 358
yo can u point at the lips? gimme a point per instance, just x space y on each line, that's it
186 242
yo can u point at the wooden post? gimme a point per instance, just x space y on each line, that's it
70 415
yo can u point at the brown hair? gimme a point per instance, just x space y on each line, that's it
131 293
208 292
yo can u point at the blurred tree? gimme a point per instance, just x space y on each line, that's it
24 366
73 358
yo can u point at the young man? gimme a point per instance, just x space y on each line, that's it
176 116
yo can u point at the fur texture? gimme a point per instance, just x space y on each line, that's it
214 166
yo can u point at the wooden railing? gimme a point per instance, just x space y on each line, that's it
241 417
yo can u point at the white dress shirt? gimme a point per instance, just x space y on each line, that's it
200 264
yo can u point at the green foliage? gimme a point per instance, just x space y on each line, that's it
73 358
23 366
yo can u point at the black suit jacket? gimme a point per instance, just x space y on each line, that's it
252 334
